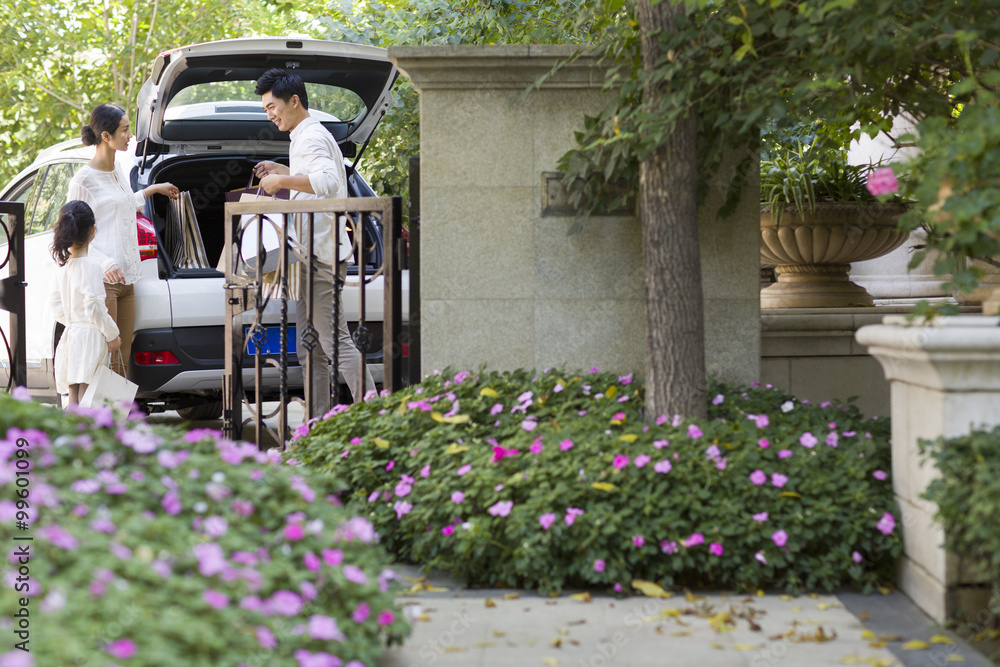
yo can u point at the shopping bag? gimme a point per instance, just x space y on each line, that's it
108 387
184 241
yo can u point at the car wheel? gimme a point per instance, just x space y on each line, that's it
201 412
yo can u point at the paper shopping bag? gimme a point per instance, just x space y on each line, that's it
108 387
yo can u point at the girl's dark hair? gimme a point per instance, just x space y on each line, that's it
73 226
105 118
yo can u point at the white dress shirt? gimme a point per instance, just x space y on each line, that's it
314 153
110 196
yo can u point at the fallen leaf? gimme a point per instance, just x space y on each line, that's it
722 622
790 494
760 593
797 608
483 644
628 437
916 645
563 631
557 642
786 598
814 596
582 597
717 645
435 589
579 622
511 596
682 633
868 636
455 448
490 603
884 590
746 647
499 633
423 617
691 597
551 662
649 589
486 391
381 444
863 616
880 644
457 419
670 612
454 649
603 486
941 639
823 606
611 391
955 657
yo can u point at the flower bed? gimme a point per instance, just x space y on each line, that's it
153 547
554 480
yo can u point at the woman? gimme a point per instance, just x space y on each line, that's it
102 185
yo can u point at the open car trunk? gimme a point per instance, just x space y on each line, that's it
208 178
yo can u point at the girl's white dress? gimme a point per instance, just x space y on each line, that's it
77 302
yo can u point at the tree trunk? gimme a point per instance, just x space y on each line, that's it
675 323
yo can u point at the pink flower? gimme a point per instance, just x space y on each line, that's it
501 508
857 557
763 442
758 477
719 398
760 516
265 637
715 549
599 565
617 587
386 617
779 537
880 475
642 460
355 575
360 615
668 547
694 431
447 530
171 503
529 425
402 508
547 520
566 445
294 532
721 463
123 649
571 514
242 508
467 468
496 409
402 490
778 479
324 628
886 524
311 561
694 540
808 440
784 453
618 417
660 444
425 471
390 465
882 182
215 599
536 448
620 461
333 557
457 497
663 466
321 659
832 439
285 603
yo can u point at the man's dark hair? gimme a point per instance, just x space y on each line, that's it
282 85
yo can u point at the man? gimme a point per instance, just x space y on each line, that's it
316 170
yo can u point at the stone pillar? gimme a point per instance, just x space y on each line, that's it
503 281
944 381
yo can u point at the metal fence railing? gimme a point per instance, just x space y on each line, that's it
12 293
266 260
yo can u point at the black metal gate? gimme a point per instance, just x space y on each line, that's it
272 228
12 292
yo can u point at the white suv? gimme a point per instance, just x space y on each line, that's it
201 127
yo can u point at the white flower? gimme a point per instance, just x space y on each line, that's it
787 406
218 477
200 507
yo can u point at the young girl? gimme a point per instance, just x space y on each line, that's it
78 303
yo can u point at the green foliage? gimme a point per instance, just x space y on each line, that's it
435 469
968 498
179 543
738 66
60 59
803 175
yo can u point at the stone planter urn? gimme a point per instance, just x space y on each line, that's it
813 255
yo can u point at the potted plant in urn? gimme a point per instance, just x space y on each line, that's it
817 217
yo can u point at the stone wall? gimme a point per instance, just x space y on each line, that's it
503 283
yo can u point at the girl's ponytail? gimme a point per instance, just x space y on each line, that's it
76 219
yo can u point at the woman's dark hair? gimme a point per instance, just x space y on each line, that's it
73 226
105 118
282 85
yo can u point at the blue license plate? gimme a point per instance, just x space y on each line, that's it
272 340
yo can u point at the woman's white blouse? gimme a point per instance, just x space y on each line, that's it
115 205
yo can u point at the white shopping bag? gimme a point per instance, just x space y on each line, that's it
108 387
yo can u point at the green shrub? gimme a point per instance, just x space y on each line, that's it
555 480
168 548
968 497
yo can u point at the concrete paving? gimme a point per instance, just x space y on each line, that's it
454 626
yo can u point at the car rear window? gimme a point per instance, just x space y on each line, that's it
235 100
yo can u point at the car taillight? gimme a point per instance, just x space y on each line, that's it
147 237
405 349
157 358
